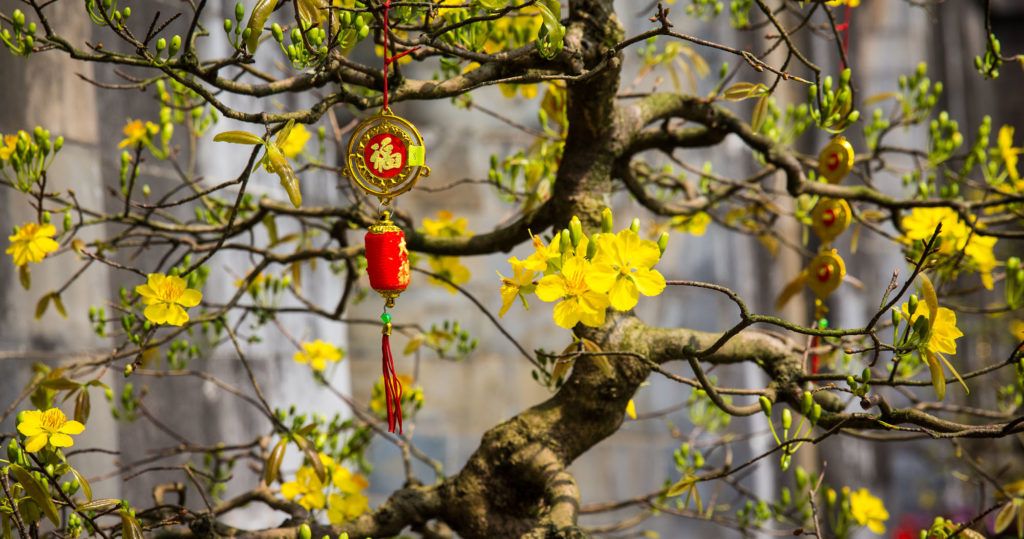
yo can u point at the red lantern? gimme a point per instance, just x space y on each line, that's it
387 260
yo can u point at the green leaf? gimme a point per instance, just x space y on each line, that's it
273 464
1005 516
59 305
100 505
130 528
493 5
238 137
83 406
760 109
259 17
25 277
37 492
551 34
84 483
311 11
312 456
744 90
41 306
60 384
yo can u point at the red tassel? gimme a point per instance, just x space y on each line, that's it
392 385
815 360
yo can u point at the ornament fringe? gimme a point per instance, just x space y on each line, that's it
392 385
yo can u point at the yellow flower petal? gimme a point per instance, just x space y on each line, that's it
601 277
59 439
624 294
72 427
649 282
35 443
551 288
567 313
190 298
158 313
177 316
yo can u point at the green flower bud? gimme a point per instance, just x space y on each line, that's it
634 225
305 532
18 17
806 401
363 31
787 419
46 217
853 116
127 11
175 44
228 23
277 32
815 414
912 304
565 240
801 477
67 220
592 247
239 12
161 44
766 405
607 221
575 230
663 242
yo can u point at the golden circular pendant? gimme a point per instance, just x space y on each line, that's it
825 273
836 159
830 218
386 156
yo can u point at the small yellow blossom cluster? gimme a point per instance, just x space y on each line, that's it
317 354
31 242
938 339
341 493
956 237
587 275
447 267
867 510
166 297
51 427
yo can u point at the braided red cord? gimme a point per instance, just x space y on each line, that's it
392 386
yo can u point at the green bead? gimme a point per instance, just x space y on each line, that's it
823 323
386 318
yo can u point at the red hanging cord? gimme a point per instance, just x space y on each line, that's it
843 28
387 50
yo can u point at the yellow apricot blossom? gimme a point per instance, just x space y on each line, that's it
1008 152
538 261
317 354
307 487
295 141
49 427
517 286
349 502
166 298
851 3
921 223
10 143
622 268
696 224
448 267
577 301
446 225
868 510
942 337
137 132
31 242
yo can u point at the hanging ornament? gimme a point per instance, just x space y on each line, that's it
830 218
836 159
386 157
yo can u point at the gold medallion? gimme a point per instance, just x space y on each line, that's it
836 159
386 156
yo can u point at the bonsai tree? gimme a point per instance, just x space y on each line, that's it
954 214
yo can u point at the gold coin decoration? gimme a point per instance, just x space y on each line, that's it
386 156
830 218
836 160
825 272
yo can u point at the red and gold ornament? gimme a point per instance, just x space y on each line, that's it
386 157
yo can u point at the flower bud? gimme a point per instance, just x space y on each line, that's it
175 45
663 242
806 401
634 225
228 23
278 32
787 419
305 532
766 405
912 304
575 230
161 44
815 414
127 11
239 12
801 477
607 221
565 240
